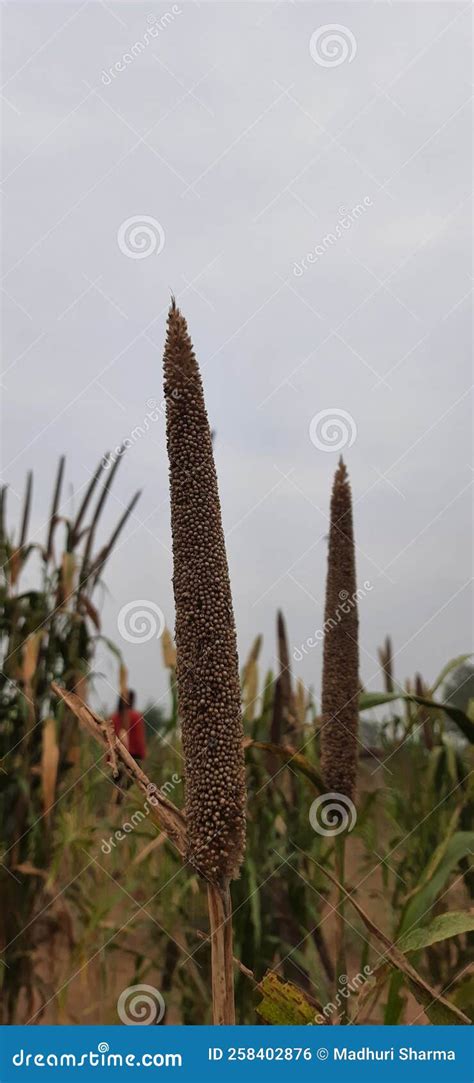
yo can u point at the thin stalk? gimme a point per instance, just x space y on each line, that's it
162 810
287 704
341 964
96 516
75 529
54 508
222 960
26 510
240 966
98 565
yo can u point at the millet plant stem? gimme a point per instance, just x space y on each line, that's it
341 965
222 961
340 685
207 664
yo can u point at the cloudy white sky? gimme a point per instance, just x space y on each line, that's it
247 150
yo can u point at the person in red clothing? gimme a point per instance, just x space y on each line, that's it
130 726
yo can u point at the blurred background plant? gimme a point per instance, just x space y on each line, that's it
49 629
94 897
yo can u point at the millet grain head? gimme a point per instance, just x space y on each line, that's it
207 662
340 686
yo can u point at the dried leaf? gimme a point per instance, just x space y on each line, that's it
155 844
49 763
300 702
253 656
14 565
169 650
30 656
250 690
90 610
31 870
68 570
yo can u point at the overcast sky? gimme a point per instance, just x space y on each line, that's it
248 133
